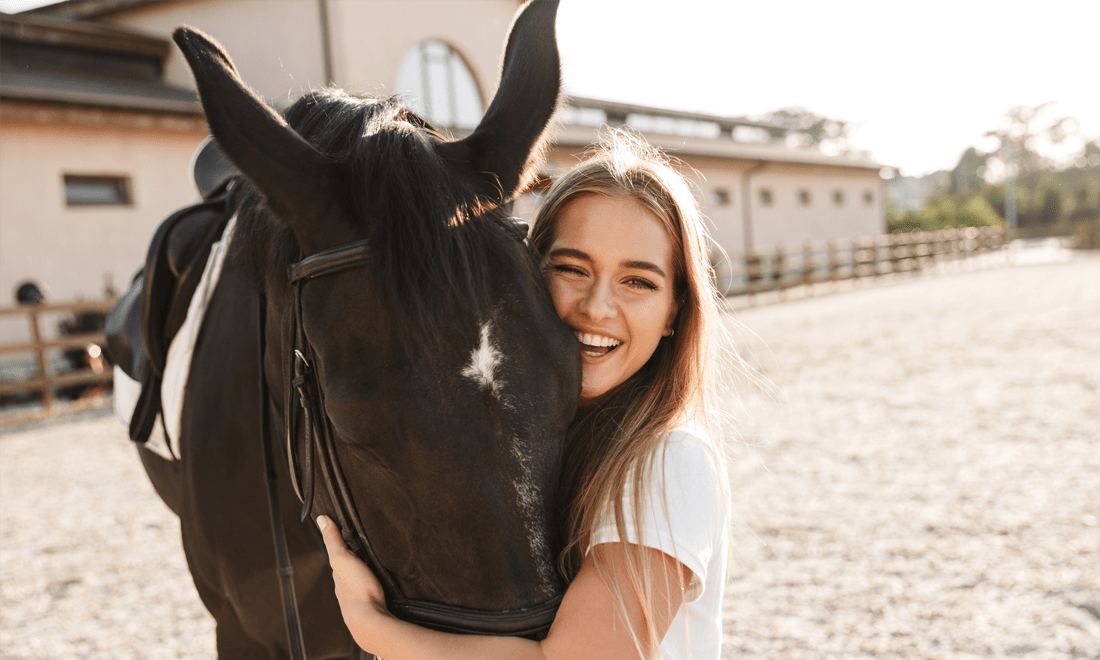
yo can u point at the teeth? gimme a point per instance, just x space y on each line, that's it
597 340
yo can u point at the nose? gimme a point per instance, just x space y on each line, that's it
598 302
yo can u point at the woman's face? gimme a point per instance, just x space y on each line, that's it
609 270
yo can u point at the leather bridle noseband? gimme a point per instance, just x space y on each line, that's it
318 456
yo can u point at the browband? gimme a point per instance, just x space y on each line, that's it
357 253
331 261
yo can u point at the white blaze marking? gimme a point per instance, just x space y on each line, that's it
483 361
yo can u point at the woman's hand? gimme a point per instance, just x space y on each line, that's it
359 592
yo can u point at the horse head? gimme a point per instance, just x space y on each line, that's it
445 378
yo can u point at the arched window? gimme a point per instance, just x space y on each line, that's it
436 83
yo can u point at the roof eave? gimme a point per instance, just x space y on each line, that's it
84 9
62 32
678 145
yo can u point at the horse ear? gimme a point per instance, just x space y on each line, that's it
500 151
293 176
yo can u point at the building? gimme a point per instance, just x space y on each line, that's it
94 147
757 194
98 122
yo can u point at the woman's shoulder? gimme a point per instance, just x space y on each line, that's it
689 454
691 433
690 442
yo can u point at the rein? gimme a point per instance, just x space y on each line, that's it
317 455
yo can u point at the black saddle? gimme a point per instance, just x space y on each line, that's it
141 325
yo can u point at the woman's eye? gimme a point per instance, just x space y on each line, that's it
565 268
641 283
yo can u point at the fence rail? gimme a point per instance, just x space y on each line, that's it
793 264
46 382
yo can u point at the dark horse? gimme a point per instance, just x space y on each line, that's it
444 379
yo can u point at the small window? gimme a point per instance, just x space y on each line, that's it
868 197
97 190
804 197
721 197
765 196
838 197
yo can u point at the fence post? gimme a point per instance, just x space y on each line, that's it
922 248
890 244
752 272
834 263
778 267
939 248
808 278
902 251
43 364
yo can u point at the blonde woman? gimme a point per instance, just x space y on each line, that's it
624 253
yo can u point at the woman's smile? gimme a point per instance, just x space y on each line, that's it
596 345
610 274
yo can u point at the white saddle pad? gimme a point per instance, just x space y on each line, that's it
165 438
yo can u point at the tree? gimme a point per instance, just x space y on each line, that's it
944 212
1051 210
801 128
1027 139
1031 148
1090 154
966 178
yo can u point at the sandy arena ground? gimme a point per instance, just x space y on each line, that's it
923 481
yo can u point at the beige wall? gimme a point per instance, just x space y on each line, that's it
74 251
786 219
371 38
276 44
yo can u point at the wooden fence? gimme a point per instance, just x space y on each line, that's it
796 264
45 381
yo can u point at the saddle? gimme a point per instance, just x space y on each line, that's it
141 325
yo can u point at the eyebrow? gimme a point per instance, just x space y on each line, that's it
637 265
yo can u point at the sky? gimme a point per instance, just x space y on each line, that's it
919 81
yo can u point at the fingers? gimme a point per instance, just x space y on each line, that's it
334 543
353 579
330 533
342 560
344 564
357 590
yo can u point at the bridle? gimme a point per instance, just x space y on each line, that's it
315 457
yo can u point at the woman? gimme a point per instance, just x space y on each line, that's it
624 253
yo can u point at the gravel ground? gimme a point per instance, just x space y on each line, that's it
927 482
923 481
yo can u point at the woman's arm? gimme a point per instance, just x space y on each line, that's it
589 623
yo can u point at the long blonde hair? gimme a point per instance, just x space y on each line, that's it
616 440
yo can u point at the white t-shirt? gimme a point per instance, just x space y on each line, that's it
694 532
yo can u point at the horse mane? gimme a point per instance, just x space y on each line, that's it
429 253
